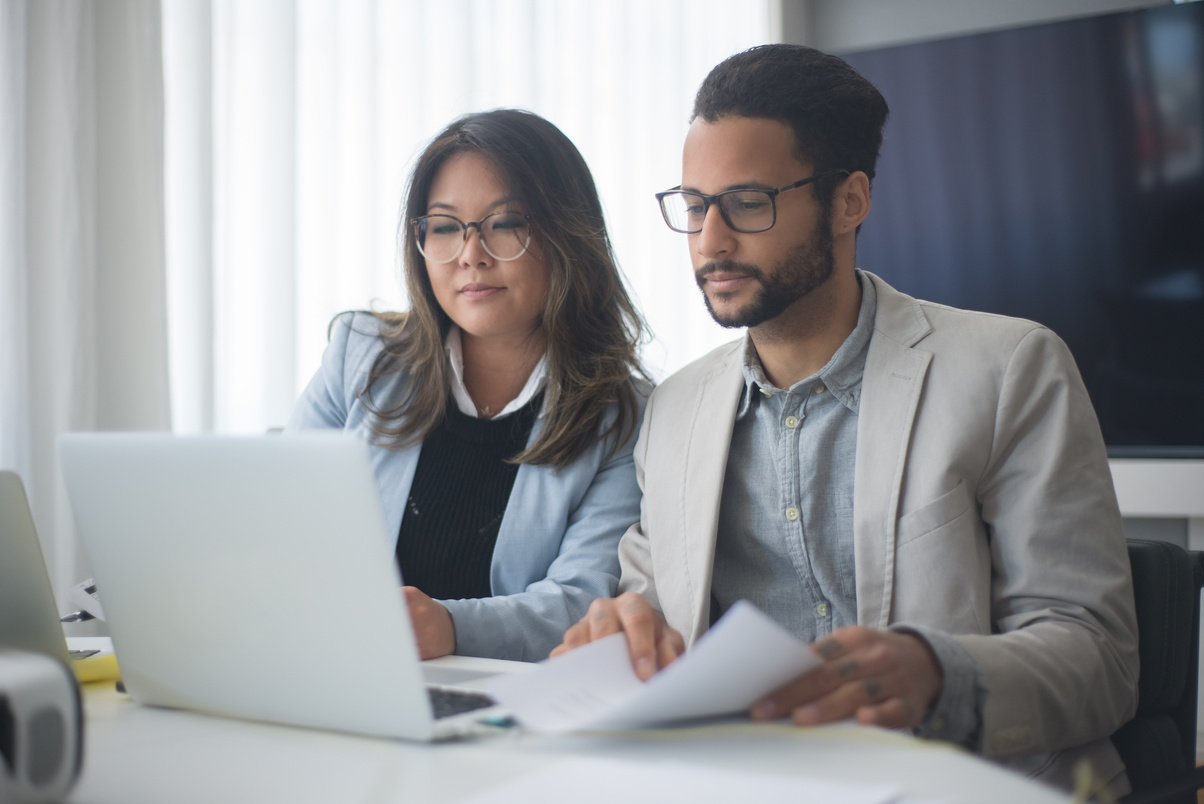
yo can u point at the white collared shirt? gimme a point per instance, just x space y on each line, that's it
455 355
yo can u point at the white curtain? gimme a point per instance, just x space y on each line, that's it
190 190
82 306
291 127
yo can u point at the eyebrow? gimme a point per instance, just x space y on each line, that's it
501 202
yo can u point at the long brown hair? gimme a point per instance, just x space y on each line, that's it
591 327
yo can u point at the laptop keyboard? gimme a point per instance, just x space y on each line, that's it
445 702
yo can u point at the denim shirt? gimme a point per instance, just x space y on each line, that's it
785 536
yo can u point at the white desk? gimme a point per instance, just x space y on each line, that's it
135 754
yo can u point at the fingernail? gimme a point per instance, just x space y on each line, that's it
645 668
764 710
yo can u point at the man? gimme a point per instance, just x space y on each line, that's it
922 492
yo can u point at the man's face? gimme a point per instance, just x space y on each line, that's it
748 279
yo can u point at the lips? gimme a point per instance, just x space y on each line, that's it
724 276
480 290
721 281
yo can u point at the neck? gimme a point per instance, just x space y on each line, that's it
496 369
802 340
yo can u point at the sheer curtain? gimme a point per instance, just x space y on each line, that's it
82 312
290 128
191 189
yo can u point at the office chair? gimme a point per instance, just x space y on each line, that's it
1158 745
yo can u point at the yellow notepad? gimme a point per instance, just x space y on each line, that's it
96 668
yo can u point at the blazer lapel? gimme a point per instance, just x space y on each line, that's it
703 467
894 377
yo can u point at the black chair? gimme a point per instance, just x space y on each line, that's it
1158 745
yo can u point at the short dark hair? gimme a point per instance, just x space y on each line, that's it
836 113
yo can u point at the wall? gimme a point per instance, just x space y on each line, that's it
839 26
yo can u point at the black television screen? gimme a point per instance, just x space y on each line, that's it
1056 172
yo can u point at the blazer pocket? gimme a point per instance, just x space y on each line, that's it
938 513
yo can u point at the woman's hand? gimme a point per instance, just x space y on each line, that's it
433 627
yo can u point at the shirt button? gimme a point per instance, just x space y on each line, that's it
819 389
792 514
822 609
792 422
765 392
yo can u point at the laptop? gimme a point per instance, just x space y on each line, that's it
268 557
29 618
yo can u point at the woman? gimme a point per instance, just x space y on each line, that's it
501 409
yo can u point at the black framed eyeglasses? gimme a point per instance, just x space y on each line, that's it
744 210
441 238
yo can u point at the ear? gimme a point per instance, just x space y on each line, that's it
852 203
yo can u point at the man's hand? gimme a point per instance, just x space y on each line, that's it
433 627
884 678
651 642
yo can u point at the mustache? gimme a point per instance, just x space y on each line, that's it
728 267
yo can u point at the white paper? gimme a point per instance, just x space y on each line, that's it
576 780
742 658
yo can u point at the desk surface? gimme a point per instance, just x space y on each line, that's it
137 754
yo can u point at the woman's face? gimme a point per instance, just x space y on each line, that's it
486 297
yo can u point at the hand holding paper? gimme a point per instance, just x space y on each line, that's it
742 658
650 641
882 678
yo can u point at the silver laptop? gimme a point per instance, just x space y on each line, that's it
268 558
29 618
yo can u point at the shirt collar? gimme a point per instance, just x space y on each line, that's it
841 375
454 348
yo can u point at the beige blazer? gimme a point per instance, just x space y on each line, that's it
983 507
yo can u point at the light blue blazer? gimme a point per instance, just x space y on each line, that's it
557 547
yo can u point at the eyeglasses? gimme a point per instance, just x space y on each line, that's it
441 238
747 211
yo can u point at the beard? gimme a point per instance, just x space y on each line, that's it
804 268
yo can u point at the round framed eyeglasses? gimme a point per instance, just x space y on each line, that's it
748 210
441 238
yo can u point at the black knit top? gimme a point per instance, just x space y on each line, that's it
461 487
